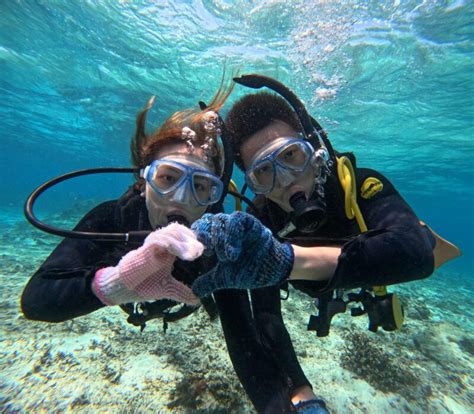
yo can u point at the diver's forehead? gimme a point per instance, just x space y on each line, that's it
180 152
188 159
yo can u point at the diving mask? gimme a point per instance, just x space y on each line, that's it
184 184
282 161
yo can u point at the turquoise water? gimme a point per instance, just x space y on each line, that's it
392 81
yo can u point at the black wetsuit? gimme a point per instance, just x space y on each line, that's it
395 249
61 290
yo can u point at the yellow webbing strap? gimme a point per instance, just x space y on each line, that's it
346 175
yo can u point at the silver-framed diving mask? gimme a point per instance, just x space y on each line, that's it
283 161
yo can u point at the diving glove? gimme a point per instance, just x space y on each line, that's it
248 256
145 273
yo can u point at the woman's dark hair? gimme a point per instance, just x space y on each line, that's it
254 112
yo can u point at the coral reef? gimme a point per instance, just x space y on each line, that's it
100 364
366 358
467 345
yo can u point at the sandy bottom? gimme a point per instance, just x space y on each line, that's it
100 364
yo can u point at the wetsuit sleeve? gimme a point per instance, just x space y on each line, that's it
395 249
61 288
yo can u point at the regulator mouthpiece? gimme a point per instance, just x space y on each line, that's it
176 218
308 215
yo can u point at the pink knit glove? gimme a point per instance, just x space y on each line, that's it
145 273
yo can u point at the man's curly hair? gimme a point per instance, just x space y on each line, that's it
254 112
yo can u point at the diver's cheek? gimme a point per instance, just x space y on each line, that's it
155 209
308 185
156 215
280 196
306 182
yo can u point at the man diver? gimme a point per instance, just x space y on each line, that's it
320 222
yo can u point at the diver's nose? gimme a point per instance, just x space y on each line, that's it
182 195
284 178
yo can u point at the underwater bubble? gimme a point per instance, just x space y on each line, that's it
188 134
190 146
212 151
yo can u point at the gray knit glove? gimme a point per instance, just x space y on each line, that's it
248 256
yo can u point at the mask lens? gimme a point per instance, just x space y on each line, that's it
293 156
207 189
262 176
183 184
166 177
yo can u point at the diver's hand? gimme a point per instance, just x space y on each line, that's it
248 255
145 273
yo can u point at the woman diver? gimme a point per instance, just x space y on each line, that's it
184 174
181 165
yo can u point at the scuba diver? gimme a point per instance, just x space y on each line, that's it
181 166
318 221
138 251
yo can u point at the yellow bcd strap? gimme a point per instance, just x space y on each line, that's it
443 251
345 172
346 175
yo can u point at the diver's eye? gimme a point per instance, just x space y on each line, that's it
166 179
198 187
293 156
203 189
201 185
166 176
264 169
263 173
